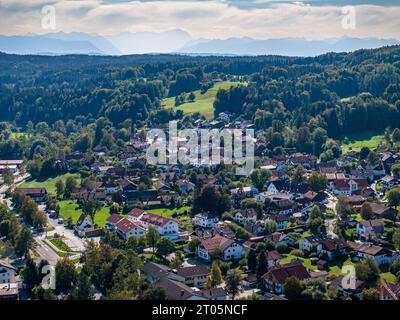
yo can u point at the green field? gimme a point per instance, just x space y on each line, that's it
166 212
69 208
204 103
50 183
370 139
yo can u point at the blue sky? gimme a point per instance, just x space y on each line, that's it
262 19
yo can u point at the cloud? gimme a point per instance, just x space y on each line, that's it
314 19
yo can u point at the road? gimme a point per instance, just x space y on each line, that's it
331 223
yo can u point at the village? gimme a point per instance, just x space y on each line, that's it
203 233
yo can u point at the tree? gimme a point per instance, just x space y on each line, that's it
90 207
164 247
298 174
366 211
317 182
396 170
252 260
262 265
396 239
154 293
393 197
60 187
70 185
65 275
259 178
211 200
270 226
8 177
370 294
23 243
367 270
193 244
82 290
343 208
30 274
153 237
233 282
215 275
191 97
396 135
293 288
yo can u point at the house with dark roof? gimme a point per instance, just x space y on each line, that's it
383 212
349 289
246 216
274 279
37 194
379 254
219 247
332 248
176 290
193 276
370 226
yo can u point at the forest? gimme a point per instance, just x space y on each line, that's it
299 102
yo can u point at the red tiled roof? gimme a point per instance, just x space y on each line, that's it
217 243
126 225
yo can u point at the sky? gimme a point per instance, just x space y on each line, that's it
210 19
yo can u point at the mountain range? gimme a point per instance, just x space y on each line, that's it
178 41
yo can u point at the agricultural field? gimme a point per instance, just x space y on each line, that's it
203 104
357 141
69 208
50 183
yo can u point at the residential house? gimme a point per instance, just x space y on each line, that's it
155 271
166 227
185 186
383 212
388 182
7 272
193 276
244 192
37 194
273 258
348 186
219 247
389 291
176 290
85 228
112 220
306 244
246 216
332 247
379 254
274 279
279 237
281 220
205 220
370 226
347 290
127 228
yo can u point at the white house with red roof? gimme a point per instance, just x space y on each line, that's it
219 247
166 227
125 227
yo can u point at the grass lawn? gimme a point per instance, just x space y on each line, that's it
166 212
370 139
69 208
335 267
288 258
50 183
60 244
204 103
389 277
